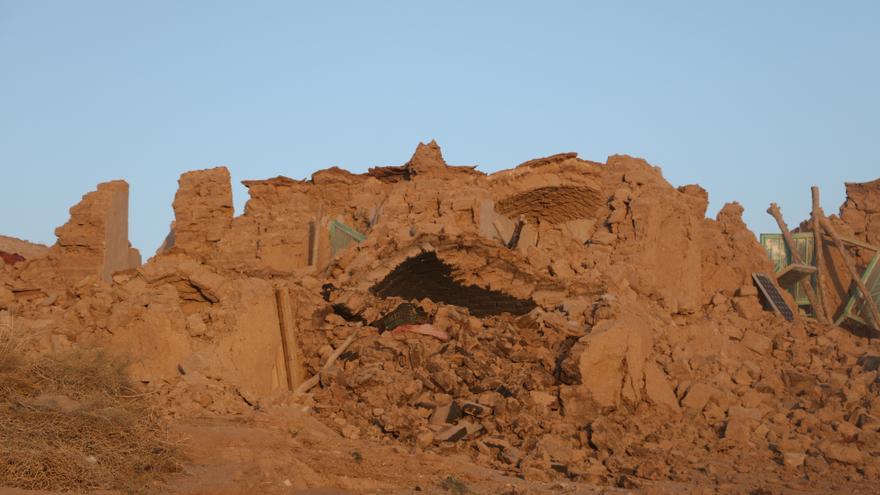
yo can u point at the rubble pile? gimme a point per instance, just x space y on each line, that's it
561 319
861 211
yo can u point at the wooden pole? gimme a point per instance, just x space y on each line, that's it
875 314
795 258
819 250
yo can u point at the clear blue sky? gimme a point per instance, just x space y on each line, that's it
755 101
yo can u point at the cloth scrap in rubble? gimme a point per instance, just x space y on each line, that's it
11 258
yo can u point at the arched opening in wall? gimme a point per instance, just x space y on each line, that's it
425 276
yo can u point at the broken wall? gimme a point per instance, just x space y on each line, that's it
601 323
203 212
731 253
557 233
178 317
571 218
94 242
861 210
286 223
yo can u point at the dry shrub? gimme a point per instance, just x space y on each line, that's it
75 423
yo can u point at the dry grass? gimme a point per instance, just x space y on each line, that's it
10 345
75 423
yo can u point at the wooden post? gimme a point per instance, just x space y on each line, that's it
875 314
294 368
795 258
283 315
818 248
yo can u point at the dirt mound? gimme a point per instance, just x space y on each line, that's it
565 320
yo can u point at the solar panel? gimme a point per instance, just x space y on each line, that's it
765 283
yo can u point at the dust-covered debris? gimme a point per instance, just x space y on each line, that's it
565 320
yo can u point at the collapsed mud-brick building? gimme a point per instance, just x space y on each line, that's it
561 319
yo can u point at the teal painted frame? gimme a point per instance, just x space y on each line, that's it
338 242
780 255
871 279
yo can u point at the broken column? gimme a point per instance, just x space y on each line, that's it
95 239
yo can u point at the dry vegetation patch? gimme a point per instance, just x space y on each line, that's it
74 422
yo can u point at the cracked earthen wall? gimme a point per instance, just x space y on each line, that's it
861 210
95 239
579 220
203 212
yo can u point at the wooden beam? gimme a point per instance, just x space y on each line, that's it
875 314
819 250
795 258
283 317
294 362
854 242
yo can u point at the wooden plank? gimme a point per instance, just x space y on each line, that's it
313 242
853 242
796 258
294 363
794 273
282 323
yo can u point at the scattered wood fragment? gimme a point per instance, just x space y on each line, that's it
517 233
311 382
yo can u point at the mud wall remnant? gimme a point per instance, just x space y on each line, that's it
203 211
861 210
95 239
